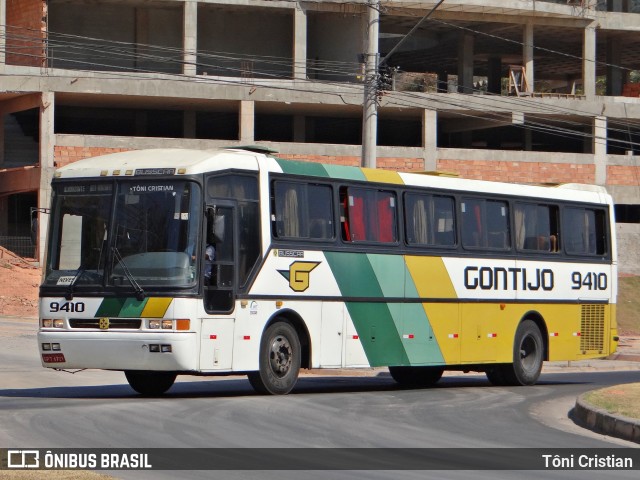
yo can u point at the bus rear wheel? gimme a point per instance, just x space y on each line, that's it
150 383
416 376
528 355
280 358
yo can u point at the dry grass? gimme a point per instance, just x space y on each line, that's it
619 399
628 311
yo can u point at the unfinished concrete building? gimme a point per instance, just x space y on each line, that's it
516 90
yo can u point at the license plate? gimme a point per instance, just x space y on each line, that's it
53 358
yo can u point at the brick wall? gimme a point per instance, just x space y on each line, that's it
623 175
26 32
521 172
65 155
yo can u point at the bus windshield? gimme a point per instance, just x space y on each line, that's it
149 239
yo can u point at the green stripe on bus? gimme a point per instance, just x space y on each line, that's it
342 171
110 307
302 168
133 307
378 333
390 273
419 339
377 323
423 348
391 333
354 274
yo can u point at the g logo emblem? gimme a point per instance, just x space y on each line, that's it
299 275
103 323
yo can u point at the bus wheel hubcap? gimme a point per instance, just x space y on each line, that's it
528 352
280 355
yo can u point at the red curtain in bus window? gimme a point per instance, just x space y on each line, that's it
386 219
345 214
478 213
356 218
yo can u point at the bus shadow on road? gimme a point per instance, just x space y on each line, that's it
240 387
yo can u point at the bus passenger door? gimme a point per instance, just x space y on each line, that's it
220 276
220 265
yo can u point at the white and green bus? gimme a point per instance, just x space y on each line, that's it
318 266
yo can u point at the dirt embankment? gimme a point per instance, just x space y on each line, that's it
19 282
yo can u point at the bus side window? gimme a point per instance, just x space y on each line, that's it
368 215
536 227
429 219
471 223
584 231
302 211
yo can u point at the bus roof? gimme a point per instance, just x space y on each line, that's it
181 161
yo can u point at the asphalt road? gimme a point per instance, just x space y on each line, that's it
41 408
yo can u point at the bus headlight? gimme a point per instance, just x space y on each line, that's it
52 323
169 324
157 324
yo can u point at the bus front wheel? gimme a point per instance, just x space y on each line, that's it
280 357
416 376
150 383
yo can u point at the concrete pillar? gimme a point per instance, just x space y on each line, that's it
600 149
430 139
189 124
190 37
465 63
494 80
299 42
3 33
299 128
247 121
527 54
615 75
589 62
47 144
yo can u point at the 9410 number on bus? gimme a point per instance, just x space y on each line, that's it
589 281
69 307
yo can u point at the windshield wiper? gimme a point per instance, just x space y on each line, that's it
136 286
69 295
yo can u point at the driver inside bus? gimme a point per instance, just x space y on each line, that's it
209 255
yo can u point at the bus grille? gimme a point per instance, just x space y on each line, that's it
592 328
119 323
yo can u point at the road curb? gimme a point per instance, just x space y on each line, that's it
599 420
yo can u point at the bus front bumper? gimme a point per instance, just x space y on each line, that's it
119 351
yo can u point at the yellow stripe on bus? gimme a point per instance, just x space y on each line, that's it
430 277
382 176
156 307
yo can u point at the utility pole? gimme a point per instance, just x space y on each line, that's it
370 105
371 79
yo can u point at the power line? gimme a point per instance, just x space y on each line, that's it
133 51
